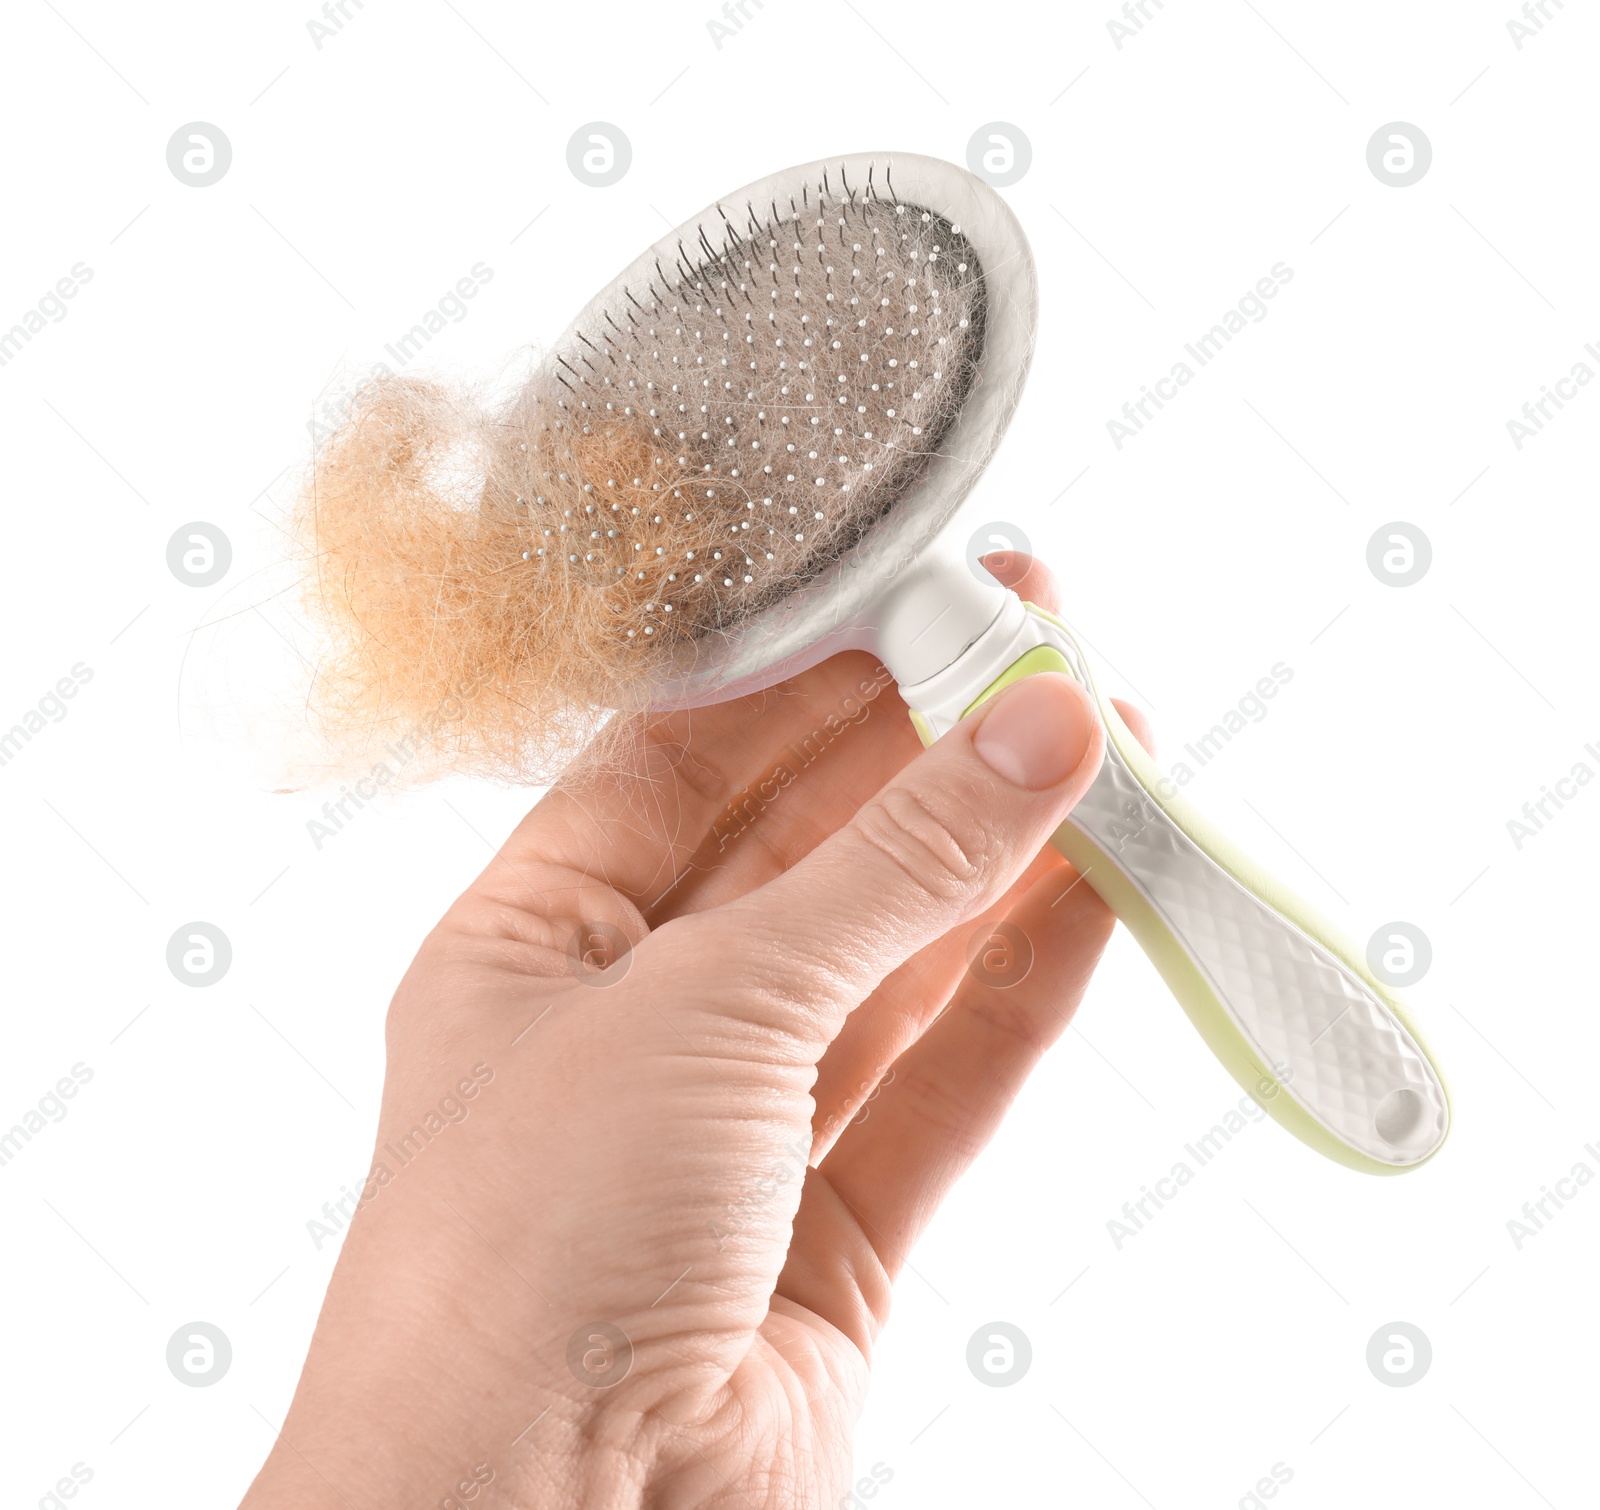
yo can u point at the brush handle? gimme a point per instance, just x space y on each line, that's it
1290 1007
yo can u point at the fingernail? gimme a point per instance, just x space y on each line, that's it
1037 733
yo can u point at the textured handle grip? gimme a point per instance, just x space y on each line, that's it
1289 1007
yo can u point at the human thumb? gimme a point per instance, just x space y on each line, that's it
936 846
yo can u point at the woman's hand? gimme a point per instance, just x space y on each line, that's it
673 1089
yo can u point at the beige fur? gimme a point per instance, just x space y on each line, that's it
713 440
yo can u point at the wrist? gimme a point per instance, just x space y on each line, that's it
435 1371
364 1460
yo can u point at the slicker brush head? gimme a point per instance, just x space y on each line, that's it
716 431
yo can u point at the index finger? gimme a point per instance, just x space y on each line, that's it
633 813
654 820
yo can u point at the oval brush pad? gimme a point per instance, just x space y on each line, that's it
674 506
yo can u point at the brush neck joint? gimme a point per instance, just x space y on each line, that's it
945 634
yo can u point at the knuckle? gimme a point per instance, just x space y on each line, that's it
942 849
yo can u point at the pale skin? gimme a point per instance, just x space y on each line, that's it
726 1145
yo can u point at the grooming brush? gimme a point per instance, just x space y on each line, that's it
737 462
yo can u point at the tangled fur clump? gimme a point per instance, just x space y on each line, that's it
444 637
491 579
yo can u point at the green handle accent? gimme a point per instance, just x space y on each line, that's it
1040 658
1183 977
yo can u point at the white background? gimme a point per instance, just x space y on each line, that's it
1167 176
